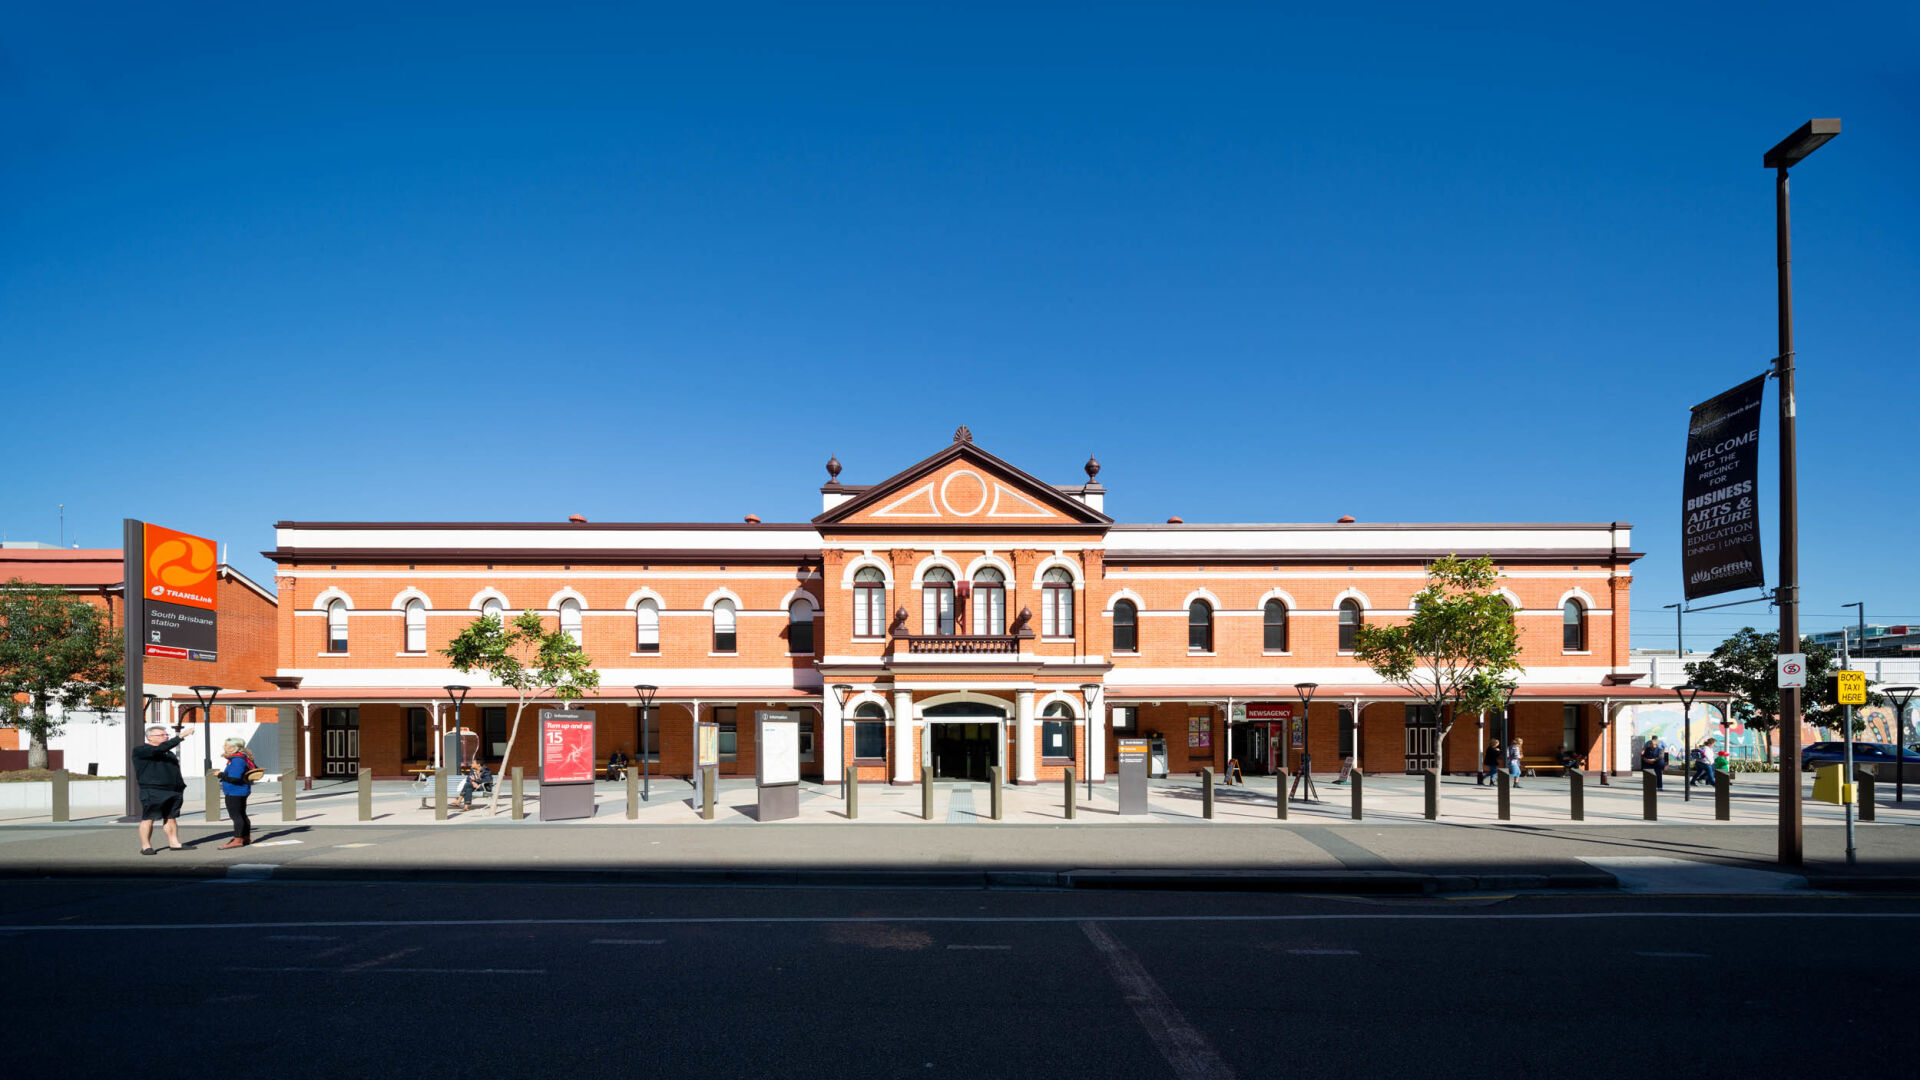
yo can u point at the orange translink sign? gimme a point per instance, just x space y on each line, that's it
179 569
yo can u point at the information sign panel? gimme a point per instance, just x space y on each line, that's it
1720 497
1133 775
179 579
1793 670
776 747
1852 688
707 744
566 763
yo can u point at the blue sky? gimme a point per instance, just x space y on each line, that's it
1402 262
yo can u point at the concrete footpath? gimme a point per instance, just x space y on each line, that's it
1320 848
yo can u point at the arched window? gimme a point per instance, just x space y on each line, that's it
646 626
1349 622
724 638
869 733
492 606
1056 603
936 601
800 626
989 601
1056 732
1273 626
337 626
1126 627
416 626
570 619
1199 626
1573 626
869 602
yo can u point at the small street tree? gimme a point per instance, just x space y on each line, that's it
1458 652
55 649
526 657
1746 666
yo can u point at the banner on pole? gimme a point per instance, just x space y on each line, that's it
179 583
1720 498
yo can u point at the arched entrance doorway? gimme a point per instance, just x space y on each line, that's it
963 739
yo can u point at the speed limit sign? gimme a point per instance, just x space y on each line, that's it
1793 670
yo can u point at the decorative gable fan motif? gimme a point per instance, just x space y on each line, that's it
963 484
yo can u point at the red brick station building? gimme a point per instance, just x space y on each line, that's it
960 612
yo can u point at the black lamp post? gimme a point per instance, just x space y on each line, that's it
1789 152
1506 718
1092 693
1305 690
458 695
205 695
645 692
1902 696
1687 692
843 692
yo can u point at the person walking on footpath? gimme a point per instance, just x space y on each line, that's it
1513 759
236 783
1653 759
1491 762
156 769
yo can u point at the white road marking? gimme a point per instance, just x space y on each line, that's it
627 941
1674 955
1188 1052
1323 952
981 947
792 920
394 971
303 937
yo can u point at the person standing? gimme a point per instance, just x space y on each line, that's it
236 784
1490 764
156 769
1653 759
1513 759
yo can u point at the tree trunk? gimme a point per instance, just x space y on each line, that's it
500 781
37 736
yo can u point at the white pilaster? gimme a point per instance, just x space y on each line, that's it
1024 732
833 738
903 736
1100 718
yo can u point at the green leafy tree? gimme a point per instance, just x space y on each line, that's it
55 649
1746 665
1458 652
526 657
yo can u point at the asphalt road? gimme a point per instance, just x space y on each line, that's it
217 979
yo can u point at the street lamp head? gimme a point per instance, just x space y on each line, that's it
457 694
843 691
1902 695
1794 148
645 692
205 694
1305 690
1090 689
1687 692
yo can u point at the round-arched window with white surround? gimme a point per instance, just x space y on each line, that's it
570 620
869 602
725 627
800 626
337 626
1056 603
1056 732
416 624
936 601
989 601
646 626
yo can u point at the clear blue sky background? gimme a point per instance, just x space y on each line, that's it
1407 263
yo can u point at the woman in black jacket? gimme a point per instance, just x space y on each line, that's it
156 769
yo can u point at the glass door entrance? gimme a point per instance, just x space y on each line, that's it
963 751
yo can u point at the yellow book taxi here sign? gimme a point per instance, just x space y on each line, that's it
1852 689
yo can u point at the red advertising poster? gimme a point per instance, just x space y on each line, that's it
566 751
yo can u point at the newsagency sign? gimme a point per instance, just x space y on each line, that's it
1720 522
178 591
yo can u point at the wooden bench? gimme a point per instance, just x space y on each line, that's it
1539 766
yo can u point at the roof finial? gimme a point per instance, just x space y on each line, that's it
963 434
1092 466
833 469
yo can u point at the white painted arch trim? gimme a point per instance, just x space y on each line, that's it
862 562
1076 705
996 562
1586 602
1355 595
866 697
1072 567
971 696
1276 594
489 593
634 598
1513 599
718 595
786 602
1213 601
411 593
321 602
1139 605
553 602
931 561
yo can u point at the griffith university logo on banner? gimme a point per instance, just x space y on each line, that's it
1720 497
179 568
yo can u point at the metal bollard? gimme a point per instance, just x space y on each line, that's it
366 794
1359 783
440 793
994 779
709 780
1073 794
1206 792
633 793
1503 795
1722 795
926 793
853 792
1649 796
1431 780
61 801
1577 794
289 797
213 795
1864 777
1280 795
519 811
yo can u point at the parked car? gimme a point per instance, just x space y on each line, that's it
1864 753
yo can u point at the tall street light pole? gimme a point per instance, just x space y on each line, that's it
1091 691
1687 692
1902 696
206 695
458 695
646 692
1860 609
1790 152
1305 690
843 691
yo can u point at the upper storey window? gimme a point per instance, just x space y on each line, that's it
724 638
1126 627
337 626
1573 626
800 626
646 627
869 602
492 606
416 626
936 601
1056 603
1273 626
989 602
570 620
1349 623
1199 626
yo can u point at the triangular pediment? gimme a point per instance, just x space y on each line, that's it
963 485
